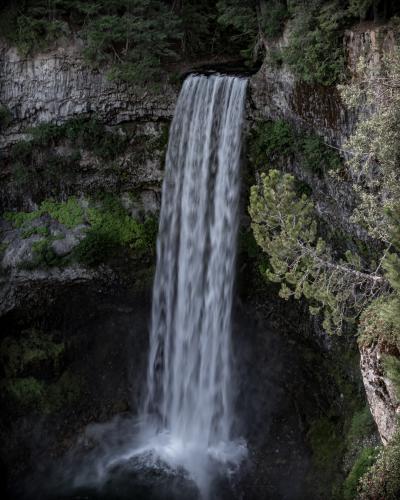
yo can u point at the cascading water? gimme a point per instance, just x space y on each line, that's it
187 416
189 374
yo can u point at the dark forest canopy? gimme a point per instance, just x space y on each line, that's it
141 40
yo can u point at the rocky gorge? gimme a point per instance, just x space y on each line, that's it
83 153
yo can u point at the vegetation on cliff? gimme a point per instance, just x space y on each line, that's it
106 229
141 40
348 288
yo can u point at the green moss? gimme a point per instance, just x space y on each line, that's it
68 213
363 462
39 230
111 227
44 255
19 219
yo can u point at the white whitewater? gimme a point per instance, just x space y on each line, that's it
189 371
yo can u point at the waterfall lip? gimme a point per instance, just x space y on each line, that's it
233 68
218 73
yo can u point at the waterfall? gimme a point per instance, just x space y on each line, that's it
189 383
186 424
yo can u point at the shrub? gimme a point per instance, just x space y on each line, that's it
111 227
315 51
382 480
317 156
270 140
97 247
277 140
376 325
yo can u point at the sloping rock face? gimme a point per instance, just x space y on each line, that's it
381 393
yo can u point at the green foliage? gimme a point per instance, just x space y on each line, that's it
376 324
359 8
383 479
136 37
30 29
317 156
38 162
112 228
32 363
315 51
277 140
373 149
89 134
274 17
363 462
38 230
242 20
27 394
44 255
270 141
19 219
69 213
284 226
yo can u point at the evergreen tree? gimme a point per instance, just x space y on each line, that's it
285 227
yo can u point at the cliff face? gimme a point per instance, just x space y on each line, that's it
275 93
57 87
381 392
